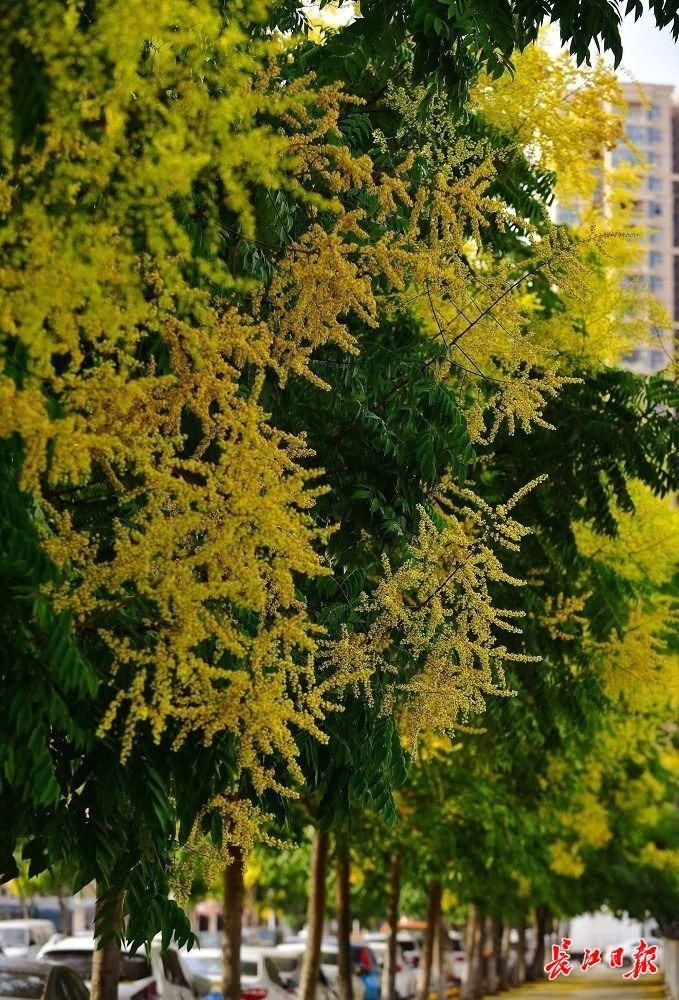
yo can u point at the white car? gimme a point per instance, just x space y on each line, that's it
260 978
457 958
410 947
288 959
24 938
25 979
406 974
139 979
330 970
628 949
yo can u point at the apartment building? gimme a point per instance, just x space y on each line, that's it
653 129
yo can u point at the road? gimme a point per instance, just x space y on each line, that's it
594 986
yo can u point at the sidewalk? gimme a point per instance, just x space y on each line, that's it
601 986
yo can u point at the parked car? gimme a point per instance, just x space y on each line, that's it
260 979
25 979
410 945
288 959
367 976
406 974
24 938
202 964
457 958
140 979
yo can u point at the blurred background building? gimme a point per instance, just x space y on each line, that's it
653 130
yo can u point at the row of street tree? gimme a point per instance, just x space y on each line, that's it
326 505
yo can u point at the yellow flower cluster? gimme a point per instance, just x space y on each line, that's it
434 615
242 826
132 329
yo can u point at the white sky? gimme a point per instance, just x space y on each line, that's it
649 55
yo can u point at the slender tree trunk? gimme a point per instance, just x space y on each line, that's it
343 908
106 960
477 970
521 952
488 963
433 918
494 956
440 951
315 917
503 962
232 915
465 988
389 975
542 918
64 912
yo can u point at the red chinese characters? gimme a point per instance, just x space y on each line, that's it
560 964
591 958
615 959
644 959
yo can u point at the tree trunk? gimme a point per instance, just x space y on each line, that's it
343 908
389 975
440 960
542 918
106 960
64 912
474 948
315 916
433 918
232 915
494 948
488 958
503 962
521 952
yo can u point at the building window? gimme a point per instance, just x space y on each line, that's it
637 133
624 155
654 209
655 159
655 283
654 135
646 359
654 183
655 260
632 282
634 109
654 113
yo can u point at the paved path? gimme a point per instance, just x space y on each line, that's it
597 986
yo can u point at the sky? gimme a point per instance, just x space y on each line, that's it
649 55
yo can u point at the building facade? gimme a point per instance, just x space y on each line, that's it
652 129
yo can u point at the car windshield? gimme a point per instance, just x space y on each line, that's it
249 967
13 937
204 965
407 945
132 967
21 984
